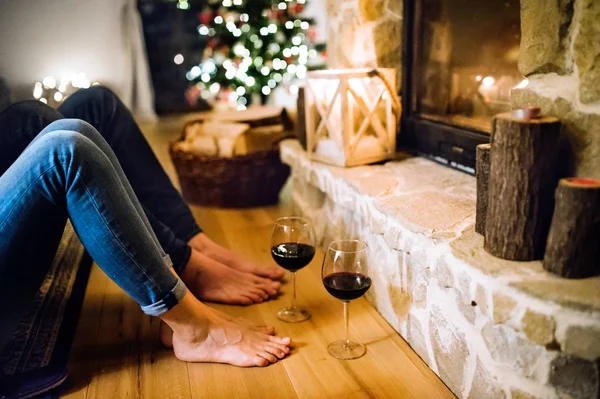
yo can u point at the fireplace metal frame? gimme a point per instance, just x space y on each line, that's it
446 143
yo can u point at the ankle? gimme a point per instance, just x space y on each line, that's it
187 319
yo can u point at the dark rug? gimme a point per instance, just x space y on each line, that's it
34 362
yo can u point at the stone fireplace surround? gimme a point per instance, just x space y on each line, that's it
489 328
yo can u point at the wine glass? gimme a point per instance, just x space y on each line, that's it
344 275
293 247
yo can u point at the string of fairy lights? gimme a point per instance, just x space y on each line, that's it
252 46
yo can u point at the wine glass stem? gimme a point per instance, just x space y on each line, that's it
346 321
293 290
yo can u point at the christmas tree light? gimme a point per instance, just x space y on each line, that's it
251 46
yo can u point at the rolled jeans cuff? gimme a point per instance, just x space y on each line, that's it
168 302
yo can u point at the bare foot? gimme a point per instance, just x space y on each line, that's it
166 333
202 243
200 335
212 281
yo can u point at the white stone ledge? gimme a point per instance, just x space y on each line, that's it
506 326
418 197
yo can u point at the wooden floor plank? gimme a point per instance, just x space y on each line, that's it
375 374
86 336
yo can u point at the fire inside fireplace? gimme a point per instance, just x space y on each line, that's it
468 60
460 64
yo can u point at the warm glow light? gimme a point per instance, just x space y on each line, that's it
266 90
523 84
178 59
478 78
58 96
272 28
250 81
37 91
294 90
43 100
49 82
488 81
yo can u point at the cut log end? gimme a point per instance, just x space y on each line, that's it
580 182
572 250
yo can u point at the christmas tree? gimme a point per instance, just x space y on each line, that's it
251 47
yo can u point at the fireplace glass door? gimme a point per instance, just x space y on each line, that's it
460 65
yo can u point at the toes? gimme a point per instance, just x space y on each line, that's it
269 286
262 294
278 350
261 361
276 273
268 356
280 340
255 297
269 330
242 300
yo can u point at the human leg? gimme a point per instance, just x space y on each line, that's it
64 173
102 108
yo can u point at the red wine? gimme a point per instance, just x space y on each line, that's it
347 286
293 256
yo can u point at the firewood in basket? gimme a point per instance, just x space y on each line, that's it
483 174
253 116
521 186
573 248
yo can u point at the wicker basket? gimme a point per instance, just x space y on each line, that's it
240 181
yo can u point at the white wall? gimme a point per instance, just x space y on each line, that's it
317 10
100 38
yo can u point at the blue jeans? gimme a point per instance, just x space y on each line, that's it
168 214
70 171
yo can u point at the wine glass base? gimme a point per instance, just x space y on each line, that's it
293 315
346 350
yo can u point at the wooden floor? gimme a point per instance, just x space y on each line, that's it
116 353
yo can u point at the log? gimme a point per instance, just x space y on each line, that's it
521 186
482 171
301 118
573 249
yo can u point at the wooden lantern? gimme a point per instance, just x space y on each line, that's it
351 115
